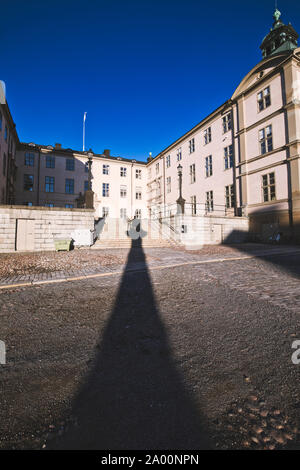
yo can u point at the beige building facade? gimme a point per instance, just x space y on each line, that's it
241 160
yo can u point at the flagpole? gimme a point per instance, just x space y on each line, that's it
83 143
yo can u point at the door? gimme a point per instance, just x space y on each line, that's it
25 235
217 233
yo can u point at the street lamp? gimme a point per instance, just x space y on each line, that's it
90 161
180 201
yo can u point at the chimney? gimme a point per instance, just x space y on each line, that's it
106 152
58 146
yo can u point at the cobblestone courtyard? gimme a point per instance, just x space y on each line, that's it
154 348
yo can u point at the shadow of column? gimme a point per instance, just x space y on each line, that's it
134 396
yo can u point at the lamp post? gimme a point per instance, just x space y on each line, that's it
180 201
90 161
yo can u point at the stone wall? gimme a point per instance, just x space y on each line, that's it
47 224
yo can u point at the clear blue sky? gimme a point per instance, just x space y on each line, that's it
145 71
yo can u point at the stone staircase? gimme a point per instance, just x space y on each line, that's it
127 243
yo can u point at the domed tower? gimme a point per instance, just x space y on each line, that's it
281 37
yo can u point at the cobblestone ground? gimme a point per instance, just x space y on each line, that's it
195 355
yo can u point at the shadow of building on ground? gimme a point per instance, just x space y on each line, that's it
135 397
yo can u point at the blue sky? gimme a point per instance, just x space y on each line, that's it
145 71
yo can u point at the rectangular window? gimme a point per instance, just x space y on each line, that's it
266 140
229 196
86 186
49 184
28 182
69 206
157 168
70 164
29 159
168 184
105 189
207 136
138 194
29 204
138 174
193 173
105 211
179 154
123 213
123 171
50 161
228 157
4 164
209 201
49 204
227 124
69 186
194 205
168 161
192 145
138 214
105 169
208 166
268 187
264 99
123 191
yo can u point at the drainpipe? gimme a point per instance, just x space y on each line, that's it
38 181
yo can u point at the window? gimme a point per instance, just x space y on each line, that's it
193 173
49 184
70 164
194 205
105 211
157 168
105 189
228 157
192 145
123 171
227 124
69 206
29 204
49 204
50 161
229 196
123 213
179 154
138 174
69 185
123 191
208 166
209 201
168 184
105 169
4 165
138 194
207 135
168 161
264 99
28 182
86 186
266 140
5 134
138 214
268 186
29 159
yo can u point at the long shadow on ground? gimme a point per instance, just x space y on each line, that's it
134 397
